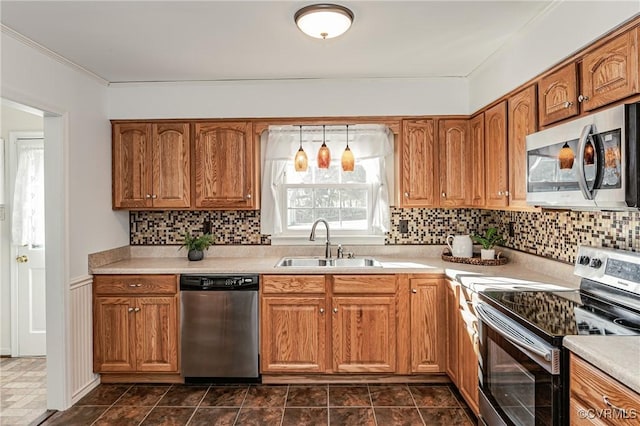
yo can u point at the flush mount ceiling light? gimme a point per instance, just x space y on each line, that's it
324 20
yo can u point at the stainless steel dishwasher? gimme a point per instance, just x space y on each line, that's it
219 327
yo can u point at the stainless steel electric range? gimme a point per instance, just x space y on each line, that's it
523 373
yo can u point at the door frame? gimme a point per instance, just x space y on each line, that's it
13 270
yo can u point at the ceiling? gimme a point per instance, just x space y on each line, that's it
144 41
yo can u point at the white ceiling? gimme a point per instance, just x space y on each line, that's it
142 41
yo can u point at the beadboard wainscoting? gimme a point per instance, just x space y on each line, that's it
83 379
550 233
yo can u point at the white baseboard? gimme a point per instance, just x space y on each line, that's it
5 351
80 393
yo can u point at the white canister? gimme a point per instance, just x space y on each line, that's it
460 245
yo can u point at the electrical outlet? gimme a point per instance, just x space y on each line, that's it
206 227
404 226
512 232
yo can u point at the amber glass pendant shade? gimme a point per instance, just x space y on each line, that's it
348 160
566 157
324 155
300 162
588 154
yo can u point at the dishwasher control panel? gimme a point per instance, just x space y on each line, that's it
218 282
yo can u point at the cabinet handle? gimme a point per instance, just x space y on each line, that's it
130 309
335 310
135 285
322 310
406 194
583 98
610 404
568 104
413 290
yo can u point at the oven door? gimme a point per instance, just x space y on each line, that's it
519 381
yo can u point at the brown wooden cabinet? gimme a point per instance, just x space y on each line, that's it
151 165
521 122
495 165
558 95
597 398
454 149
225 166
135 324
428 325
477 163
453 314
610 72
418 164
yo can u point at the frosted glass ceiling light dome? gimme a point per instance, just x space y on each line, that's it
324 20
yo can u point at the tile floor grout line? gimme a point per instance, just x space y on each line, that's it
246 393
375 418
416 405
328 407
156 404
110 406
284 409
198 405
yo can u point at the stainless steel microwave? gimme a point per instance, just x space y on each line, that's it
590 163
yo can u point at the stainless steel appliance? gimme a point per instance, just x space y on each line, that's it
586 164
523 372
219 327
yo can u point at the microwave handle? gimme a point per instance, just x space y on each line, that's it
582 179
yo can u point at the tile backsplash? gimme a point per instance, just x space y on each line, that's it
552 234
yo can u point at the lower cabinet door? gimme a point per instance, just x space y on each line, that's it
293 335
428 326
157 334
468 377
364 334
113 335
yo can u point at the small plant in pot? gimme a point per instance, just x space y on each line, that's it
489 240
196 245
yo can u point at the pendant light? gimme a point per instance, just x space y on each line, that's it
324 155
324 20
300 161
348 161
566 156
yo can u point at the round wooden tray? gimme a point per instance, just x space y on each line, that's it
475 260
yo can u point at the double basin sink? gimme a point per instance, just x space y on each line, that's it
313 262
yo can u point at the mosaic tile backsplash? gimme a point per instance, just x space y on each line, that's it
552 234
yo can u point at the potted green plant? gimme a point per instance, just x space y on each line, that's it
196 245
488 241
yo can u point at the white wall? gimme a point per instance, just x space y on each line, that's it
11 120
564 29
290 98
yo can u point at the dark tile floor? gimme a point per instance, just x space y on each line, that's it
373 404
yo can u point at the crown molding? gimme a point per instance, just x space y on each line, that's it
51 54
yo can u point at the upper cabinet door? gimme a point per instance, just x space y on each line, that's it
557 95
522 121
131 160
418 164
476 178
171 165
610 73
453 146
496 170
224 165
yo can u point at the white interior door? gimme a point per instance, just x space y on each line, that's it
28 248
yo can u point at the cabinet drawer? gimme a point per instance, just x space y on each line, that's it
364 284
597 390
274 284
135 284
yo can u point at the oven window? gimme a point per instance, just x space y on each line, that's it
512 386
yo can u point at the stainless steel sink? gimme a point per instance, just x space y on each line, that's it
309 262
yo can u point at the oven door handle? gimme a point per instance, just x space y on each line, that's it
502 328
582 178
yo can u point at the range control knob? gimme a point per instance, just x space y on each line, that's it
595 263
584 260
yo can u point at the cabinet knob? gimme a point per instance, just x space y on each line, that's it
335 310
154 196
583 98
406 194
413 290
137 309
135 285
500 193
444 195
506 193
568 104
322 310
147 196
130 309
248 196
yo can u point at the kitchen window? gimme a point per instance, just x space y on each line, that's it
356 204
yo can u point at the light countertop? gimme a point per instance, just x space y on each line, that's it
618 356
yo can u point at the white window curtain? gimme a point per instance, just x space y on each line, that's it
28 199
366 141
